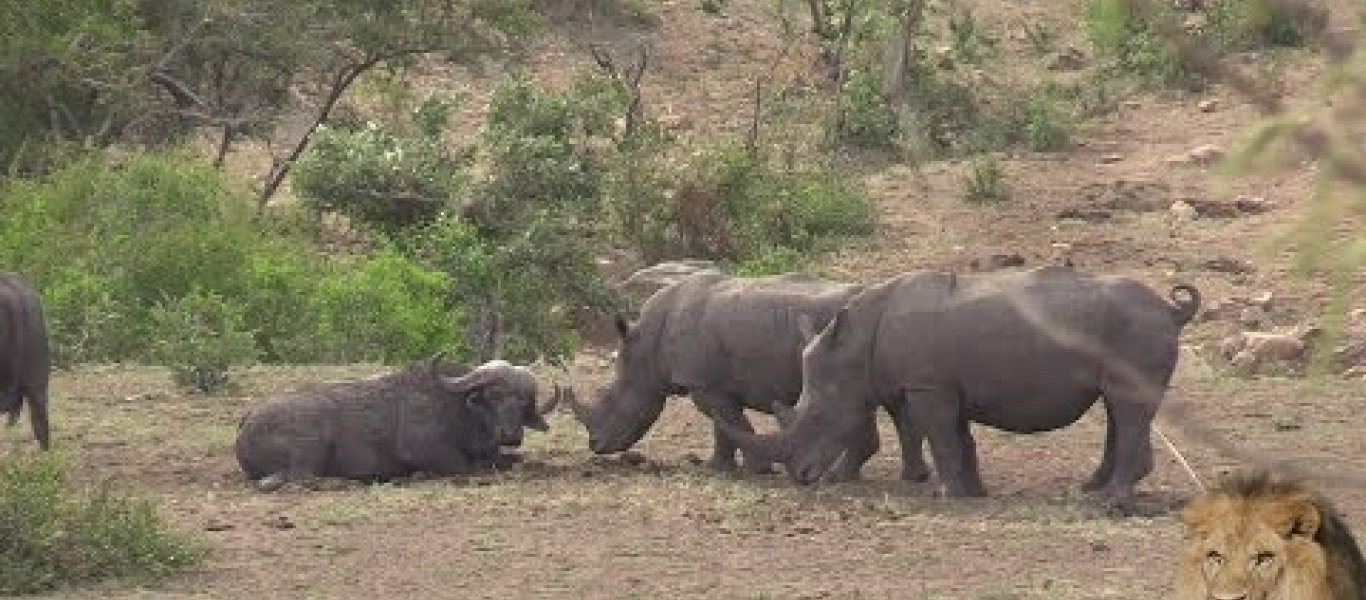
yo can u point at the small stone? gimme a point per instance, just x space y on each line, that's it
217 526
281 522
1099 546
1357 372
1205 155
1209 105
1251 316
1251 204
1111 159
1263 300
1287 425
1183 211
633 458
1131 104
1067 59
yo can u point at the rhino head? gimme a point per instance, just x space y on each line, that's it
626 408
510 393
833 406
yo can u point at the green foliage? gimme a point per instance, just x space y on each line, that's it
985 182
54 534
382 178
200 336
865 117
1039 122
105 242
1249 24
970 44
713 7
1136 49
384 307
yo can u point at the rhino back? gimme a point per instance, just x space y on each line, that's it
741 336
970 333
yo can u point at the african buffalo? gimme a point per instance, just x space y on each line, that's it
24 362
732 344
1025 351
433 417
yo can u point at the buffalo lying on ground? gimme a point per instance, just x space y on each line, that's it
24 361
1026 351
732 344
432 417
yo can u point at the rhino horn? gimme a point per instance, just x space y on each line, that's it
784 414
582 412
772 448
555 398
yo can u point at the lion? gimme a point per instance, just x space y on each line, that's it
1261 537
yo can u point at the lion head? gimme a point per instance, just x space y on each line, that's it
1258 537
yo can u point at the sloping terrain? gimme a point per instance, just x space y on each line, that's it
658 525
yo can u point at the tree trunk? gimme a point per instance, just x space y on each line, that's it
280 170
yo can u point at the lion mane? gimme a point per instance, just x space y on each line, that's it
1258 536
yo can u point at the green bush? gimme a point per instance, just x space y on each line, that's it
1038 122
385 307
1136 49
200 336
1250 24
381 177
54 534
104 242
985 182
865 118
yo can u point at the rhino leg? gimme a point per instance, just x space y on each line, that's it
1133 450
730 410
913 467
37 414
951 444
1107 459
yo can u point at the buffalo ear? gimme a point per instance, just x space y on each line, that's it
623 326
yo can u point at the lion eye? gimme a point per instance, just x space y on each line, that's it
1264 558
1214 556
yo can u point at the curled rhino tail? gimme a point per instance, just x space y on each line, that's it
1186 306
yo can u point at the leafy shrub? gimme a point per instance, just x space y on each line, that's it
200 336
385 307
53 533
970 43
104 242
1038 123
865 118
985 182
1248 24
1135 48
381 177
742 206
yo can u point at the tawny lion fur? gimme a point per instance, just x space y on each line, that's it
1260 537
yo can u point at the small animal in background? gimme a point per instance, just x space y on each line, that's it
1257 536
432 417
24 361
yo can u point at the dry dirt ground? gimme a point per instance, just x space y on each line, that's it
567 524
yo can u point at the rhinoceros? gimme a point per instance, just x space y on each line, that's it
1025 352
731 344
433 416
24 361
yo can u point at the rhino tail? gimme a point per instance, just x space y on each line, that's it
1187 304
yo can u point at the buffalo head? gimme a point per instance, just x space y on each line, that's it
509 392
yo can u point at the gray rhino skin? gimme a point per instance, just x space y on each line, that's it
1026 351
731 344
433 417
24 360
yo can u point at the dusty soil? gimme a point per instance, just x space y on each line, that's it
567 524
